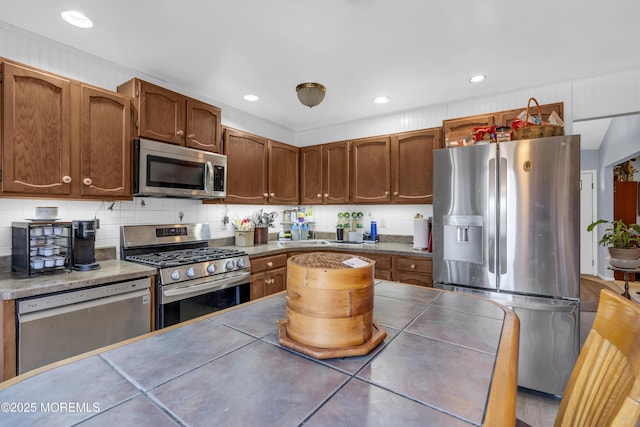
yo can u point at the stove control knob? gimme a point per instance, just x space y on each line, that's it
240 263
229 266
190 272
175 274
211 268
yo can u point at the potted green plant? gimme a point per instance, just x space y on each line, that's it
622 241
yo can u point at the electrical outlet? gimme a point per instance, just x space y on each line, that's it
225 222
382 223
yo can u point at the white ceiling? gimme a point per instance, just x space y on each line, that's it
417 52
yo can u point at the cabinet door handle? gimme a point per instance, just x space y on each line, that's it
191 135
326 194
412 266
66 179
395 193
180 132
272 194
270 264
265 195
87 181
319 196
386 193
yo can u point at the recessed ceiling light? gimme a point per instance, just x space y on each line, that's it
76 18
477 79
251 98
381 99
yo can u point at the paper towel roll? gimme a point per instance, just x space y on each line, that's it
420 233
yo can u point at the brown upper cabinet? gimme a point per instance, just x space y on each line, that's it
258 170
412 165
247 165
324 173
105 143
283 173
61 137
371 170
394 169
463 126
167 116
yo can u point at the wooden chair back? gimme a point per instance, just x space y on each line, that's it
604 387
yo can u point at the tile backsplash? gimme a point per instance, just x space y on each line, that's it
392 219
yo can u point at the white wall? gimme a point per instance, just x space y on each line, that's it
621 142
609 94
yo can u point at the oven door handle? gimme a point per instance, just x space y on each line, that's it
213 285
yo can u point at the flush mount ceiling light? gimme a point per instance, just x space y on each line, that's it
310 94
381 99
76 18
477 79
251 98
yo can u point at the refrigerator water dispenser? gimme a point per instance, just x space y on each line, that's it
463 238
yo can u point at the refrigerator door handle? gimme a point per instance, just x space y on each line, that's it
492 216
559 307
502 224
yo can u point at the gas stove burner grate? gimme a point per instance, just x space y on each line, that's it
184 256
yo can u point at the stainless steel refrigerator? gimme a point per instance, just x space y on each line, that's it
506 227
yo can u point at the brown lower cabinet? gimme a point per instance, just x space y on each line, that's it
268 275
398 268
414 270
384 265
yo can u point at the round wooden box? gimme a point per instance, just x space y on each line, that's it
329 304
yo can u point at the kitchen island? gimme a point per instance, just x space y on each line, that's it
448 359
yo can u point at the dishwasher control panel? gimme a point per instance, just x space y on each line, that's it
76 296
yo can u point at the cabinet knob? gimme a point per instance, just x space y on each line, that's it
319 196
326 194
191 135
66 179
395 193
412 266
180 132
272 194
270 264
87 181
265 195
386 193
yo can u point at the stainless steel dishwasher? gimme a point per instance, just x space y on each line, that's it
54 327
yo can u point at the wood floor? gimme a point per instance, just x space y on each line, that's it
538 409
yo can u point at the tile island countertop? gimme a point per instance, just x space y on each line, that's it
448 359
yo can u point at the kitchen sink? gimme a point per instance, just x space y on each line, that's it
318 242
315 242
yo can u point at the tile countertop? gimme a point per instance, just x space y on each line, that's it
443 362
274 246
13 286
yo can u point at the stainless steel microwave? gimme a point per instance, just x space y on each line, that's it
166 170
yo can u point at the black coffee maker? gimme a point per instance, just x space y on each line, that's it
84 245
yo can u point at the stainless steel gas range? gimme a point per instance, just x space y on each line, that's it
193 279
